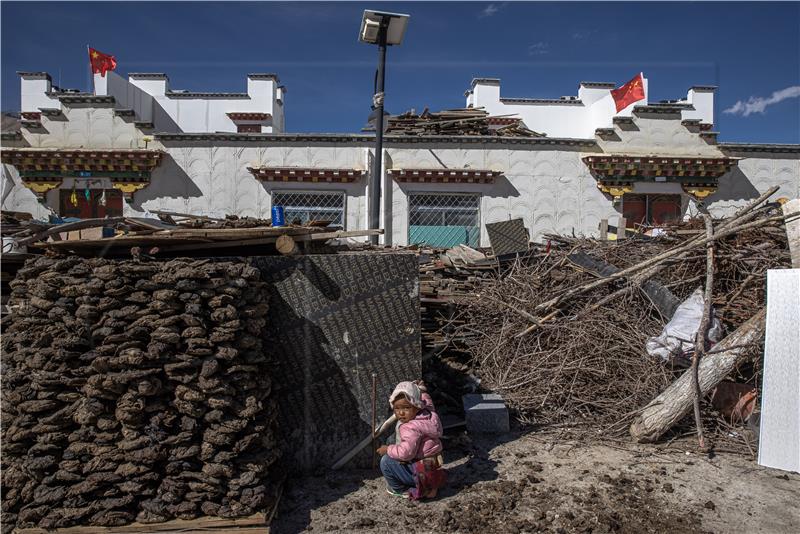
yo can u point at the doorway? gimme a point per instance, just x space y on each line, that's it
80 204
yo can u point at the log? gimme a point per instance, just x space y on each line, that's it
676 401
287 246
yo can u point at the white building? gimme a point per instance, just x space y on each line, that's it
149 102
582 115
644 163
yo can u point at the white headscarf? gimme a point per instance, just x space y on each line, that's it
411 392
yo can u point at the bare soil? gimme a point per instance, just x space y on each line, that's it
545 482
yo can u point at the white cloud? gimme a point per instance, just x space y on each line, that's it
757 104
492 9
539 49
580 35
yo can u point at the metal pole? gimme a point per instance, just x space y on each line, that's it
377 175
374 416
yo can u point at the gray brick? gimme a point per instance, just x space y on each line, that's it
485 414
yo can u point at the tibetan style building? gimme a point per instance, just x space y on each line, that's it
136 145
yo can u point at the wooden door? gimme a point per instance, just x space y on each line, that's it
90 208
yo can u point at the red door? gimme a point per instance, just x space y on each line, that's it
634 209
665 209
91 208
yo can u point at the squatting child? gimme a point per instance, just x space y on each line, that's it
412 466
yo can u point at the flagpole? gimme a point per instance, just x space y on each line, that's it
91 76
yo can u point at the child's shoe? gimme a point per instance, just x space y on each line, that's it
394 493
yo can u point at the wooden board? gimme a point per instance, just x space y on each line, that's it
793 231
779 438
216 525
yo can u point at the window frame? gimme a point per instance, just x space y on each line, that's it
478 209
328 192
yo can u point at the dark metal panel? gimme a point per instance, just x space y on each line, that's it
508 237
333 321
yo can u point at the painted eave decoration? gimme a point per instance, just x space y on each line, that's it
442 176
698 176
248 116
608 166
44 169
300 174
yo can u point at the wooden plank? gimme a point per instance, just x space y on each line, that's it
319 236
121 241
779 437
793 230
621 230
604 229
216 525
68 227
238 233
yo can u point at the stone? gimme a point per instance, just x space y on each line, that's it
485 413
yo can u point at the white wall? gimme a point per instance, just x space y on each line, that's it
559 119
214 180
153 101
33 92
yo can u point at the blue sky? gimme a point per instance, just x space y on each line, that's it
750 50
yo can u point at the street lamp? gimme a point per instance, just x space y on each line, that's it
381 29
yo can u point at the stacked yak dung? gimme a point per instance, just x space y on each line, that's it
134 391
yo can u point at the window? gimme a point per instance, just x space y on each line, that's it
650 210
444 220
307 206
248 128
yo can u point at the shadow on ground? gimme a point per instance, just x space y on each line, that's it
467 461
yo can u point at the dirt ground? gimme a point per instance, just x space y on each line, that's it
544 482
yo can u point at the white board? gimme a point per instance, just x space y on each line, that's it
779 441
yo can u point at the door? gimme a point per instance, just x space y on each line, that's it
78 205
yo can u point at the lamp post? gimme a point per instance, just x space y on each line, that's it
382 29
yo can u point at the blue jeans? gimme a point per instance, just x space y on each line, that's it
399 476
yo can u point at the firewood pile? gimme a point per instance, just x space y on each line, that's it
446 278
465 121
565 344
135 391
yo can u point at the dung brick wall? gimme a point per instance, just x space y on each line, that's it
135 391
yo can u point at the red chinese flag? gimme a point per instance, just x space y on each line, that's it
631 92
101 62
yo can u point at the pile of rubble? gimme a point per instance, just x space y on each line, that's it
135 391
466 121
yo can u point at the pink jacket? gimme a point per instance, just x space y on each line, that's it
419 438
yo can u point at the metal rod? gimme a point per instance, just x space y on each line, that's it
377 175
374 416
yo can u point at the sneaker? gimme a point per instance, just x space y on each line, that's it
394 493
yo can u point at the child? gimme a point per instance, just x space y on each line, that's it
413 465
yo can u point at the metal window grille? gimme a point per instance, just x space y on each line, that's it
444 220
308 206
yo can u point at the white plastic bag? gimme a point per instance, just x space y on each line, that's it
678 336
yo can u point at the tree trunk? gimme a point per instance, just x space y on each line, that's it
676 401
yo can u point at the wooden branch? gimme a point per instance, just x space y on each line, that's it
363 443
676 401
670 254
701 338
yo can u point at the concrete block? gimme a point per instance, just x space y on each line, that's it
485 413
